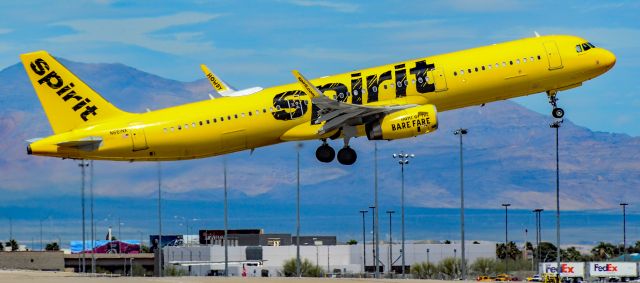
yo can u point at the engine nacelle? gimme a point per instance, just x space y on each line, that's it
404 123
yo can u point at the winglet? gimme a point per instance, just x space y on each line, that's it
219 85
312 90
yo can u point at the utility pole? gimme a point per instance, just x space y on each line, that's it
556 125
538 212
298 262
159 247
93 226
226 222
390 212
624 230
364 243
84 242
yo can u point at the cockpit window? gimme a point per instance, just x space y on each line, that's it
578 48
585 47
592 46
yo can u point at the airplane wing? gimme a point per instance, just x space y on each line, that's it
337 114
86 144
224 89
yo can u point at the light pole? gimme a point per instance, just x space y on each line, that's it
538 212
159 246
403 160
461 132
364 243
373 236
298 263
506 237
83 166
226 221
41 242
390 212
93 225
556 125
624 230
376 242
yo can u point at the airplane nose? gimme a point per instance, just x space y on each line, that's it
608 58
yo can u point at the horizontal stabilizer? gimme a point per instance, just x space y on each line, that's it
86 144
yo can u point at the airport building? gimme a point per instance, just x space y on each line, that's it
268 260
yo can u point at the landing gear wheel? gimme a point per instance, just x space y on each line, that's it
325 153
347 156
557 113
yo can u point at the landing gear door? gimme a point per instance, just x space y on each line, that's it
138 139
555 61
436 76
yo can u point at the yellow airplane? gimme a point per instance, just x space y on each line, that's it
388 102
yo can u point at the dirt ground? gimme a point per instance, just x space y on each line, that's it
66 277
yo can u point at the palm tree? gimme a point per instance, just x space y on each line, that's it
604 251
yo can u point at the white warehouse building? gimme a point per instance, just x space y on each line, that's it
203 260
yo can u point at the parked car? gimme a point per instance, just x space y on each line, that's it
534 278
484 279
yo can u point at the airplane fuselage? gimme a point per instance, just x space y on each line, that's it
285 113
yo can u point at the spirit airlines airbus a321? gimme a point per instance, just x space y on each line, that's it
388 102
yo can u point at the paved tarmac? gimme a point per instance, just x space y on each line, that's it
67 277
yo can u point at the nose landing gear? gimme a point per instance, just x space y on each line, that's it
557 112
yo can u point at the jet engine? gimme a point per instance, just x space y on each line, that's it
405 123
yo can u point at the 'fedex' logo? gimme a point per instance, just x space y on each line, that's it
565 268
607 267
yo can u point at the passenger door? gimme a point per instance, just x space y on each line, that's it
555 62
138 139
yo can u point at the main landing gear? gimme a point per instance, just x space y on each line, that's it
346 156
557 112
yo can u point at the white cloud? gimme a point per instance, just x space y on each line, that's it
143 32
398 24
5 30
340 7
484 5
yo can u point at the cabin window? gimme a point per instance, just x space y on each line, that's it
489 66
524 60
242 114
510 62
420 80
229 117
414 81
264 110
186 126
235 116
200 123
271 108
455 73
172 129
461 72
250 113
476 69
257 112
385 86
179 127
504 64
208 122
355 92
538 57
483 67
277 107
497 65
517 61
193 124
165 130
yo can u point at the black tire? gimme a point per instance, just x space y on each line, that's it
325 153
347 156
557 113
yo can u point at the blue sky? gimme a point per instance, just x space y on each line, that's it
254 43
